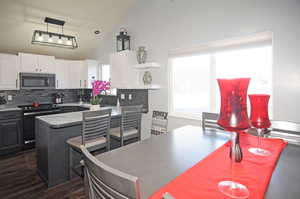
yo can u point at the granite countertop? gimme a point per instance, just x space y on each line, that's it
71 119
8 107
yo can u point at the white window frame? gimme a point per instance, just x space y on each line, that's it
210 48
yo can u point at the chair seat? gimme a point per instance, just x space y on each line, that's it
95 143
130 133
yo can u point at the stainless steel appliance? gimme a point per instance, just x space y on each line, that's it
29 113
37 81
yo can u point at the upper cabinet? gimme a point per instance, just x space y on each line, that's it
79 71
94 71
9 70
62 74
33 63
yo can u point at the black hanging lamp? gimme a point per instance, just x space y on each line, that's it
54 39
123 40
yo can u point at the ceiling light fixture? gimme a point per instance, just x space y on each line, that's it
54 39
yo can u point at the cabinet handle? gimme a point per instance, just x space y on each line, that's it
16 83
56 83
80 83
84 83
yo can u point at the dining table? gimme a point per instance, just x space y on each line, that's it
159 159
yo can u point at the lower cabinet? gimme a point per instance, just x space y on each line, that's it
10 135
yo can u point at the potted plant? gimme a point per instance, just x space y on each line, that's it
98 86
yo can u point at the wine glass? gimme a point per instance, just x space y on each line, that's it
260 120
234 118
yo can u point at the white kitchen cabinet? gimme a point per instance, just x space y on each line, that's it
122 73
9 72
32 63
62 74
78 71
94 72
46 64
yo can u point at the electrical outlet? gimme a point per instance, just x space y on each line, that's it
122 96
9 98
130 96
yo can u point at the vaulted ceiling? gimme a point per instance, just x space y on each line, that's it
19 18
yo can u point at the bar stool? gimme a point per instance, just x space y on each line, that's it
95 136
130 127
159 122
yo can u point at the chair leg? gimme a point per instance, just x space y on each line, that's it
70 163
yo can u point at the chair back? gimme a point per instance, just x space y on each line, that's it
289 131
106 182
209 120
131 117
95 124
159 122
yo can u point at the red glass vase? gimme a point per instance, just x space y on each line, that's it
233 112
259 111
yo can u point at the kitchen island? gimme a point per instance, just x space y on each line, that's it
52 132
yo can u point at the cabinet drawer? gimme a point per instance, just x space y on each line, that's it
10 115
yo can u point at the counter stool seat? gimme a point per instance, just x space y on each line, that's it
116 132
94 144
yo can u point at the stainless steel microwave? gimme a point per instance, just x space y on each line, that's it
37 81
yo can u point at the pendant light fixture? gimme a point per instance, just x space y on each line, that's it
54 39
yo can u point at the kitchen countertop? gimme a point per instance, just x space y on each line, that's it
6 107
73 118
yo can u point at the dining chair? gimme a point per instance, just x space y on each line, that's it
103 181
209 120
288 131
95 136
130 127
159 122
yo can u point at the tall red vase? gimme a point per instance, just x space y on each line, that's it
259 111
233 112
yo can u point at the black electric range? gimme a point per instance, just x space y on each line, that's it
31 111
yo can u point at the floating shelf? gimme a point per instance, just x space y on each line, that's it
147 65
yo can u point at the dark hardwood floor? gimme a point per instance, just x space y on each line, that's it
19 179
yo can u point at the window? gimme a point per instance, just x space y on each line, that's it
193 86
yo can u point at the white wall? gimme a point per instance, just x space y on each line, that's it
162 25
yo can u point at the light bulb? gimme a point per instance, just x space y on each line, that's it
69 42
40 38
59 40
50 39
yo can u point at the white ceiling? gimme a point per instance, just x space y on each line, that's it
19 18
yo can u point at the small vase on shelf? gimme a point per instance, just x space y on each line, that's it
141 55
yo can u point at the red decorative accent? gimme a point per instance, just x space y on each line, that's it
201 180
259 111
233 113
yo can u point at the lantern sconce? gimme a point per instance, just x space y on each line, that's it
123 40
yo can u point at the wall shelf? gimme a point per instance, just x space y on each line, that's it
148 65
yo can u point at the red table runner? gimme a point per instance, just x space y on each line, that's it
201 181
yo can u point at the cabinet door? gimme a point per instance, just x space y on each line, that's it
75 74
29 63
9 69
84 74
93 72
10 134
62 74
46 64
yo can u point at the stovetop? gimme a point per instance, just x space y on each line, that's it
38 107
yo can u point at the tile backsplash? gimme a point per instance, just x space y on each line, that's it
42 96
131 96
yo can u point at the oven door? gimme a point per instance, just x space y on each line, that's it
37 81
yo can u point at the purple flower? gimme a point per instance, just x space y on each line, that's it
99 86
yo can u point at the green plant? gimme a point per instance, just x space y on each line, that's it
96 100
